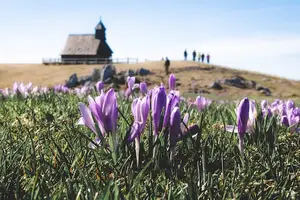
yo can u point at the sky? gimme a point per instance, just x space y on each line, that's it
256 35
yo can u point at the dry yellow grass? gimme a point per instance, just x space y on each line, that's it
43 75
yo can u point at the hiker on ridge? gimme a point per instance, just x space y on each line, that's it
194 55
167 65
185 55
202 57
199 57
208 58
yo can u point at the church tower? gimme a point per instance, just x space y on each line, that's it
100 31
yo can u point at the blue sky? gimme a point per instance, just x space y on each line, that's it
258 35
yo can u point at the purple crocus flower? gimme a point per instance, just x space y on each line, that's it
264 104
296 111
284 120
281 108
130 84
60 89
243 116
175 130
275 103
293 122
158 102
246 114
267 112
290 120
172 101
15 87
28 86
175 126
202 103
83 91
266 109
64 89
105 110
44 90
99 86
143 88
35 90
140 109
6 92
22 89
290 105
172 82
56 88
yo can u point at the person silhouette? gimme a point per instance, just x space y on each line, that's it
202 57
194 55
167 65
199 56
208 58
185 55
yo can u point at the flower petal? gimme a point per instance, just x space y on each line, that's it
134 132
87 117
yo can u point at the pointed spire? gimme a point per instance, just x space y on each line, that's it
100 25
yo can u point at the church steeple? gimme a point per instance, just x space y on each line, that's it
100 31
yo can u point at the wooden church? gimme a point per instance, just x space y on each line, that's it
87 48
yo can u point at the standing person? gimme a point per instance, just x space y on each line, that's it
194 55
202 57
185 55
199 57
167 65
208 58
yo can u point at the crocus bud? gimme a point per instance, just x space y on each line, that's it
201 103
175 127
130 84
264 104
172 82
267 112
143 88
158 102
99 86
172 101
290 105
130 81
243 116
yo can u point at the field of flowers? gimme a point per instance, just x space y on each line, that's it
100 143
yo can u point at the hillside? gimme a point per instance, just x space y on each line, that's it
201 75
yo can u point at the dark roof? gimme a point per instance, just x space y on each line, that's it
83 44
100 26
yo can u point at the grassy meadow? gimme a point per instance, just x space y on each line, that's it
46 154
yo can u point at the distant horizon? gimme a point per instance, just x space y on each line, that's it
182 60
256 36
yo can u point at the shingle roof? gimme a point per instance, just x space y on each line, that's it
84 44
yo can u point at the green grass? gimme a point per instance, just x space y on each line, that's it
44 154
